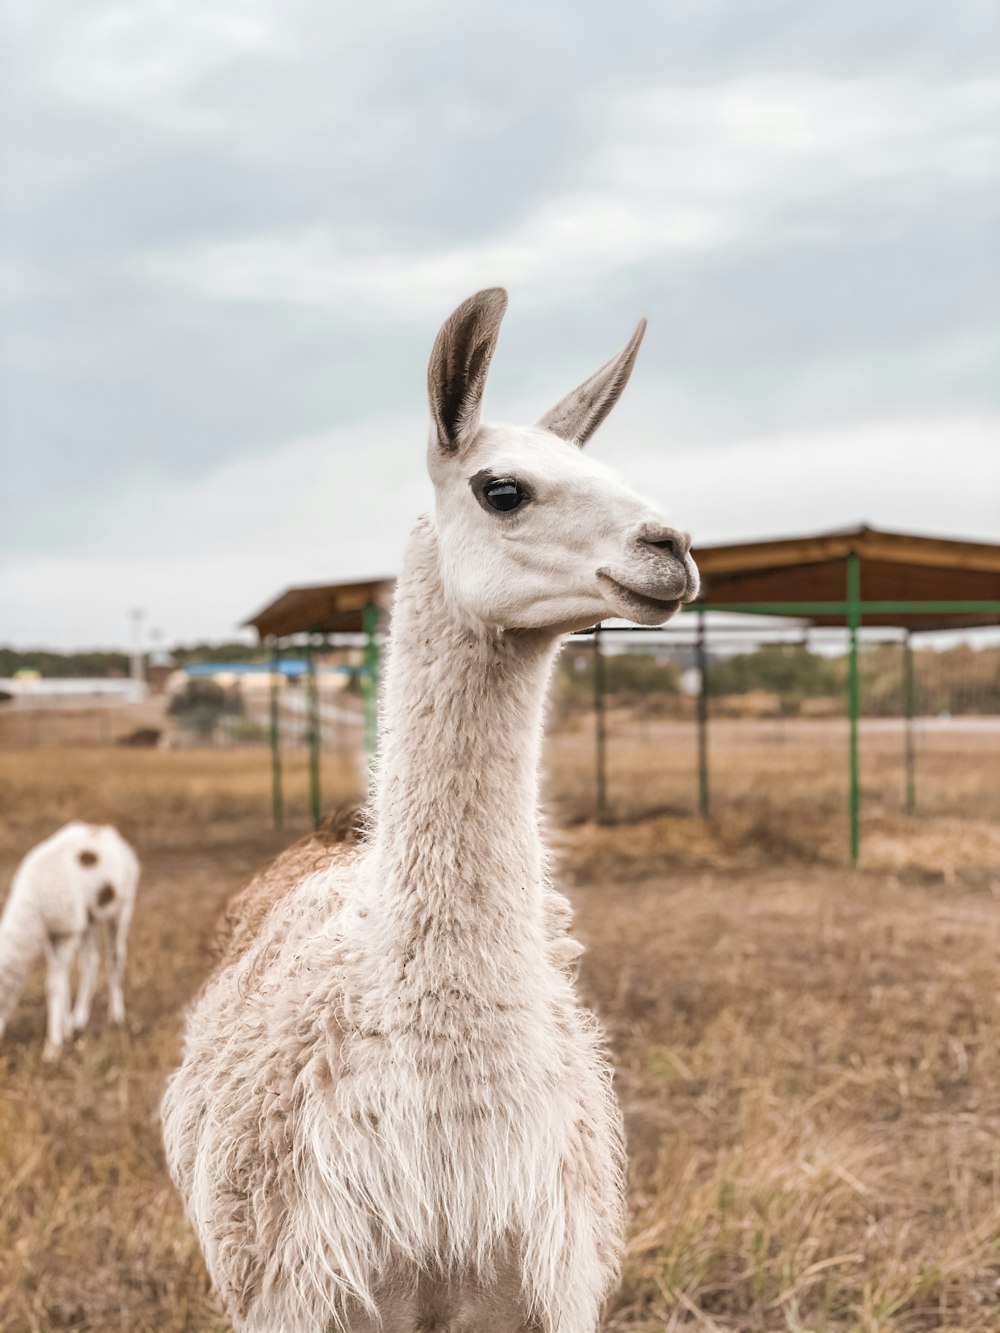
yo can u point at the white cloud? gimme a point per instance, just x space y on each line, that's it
935 476
576 237
673 171
147 62
217 67
137 124
201 557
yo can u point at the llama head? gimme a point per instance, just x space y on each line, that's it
533 534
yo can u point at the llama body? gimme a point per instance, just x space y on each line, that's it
77 884
393 1113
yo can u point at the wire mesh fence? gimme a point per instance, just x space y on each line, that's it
775 726
630 725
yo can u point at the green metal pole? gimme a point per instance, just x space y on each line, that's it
703 788
854 699
909 706
313 733
370 686
277 796
600 730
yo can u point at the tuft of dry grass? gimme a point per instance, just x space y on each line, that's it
167 797
796 768
808 1066
806 1055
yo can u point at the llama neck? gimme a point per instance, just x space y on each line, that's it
456 810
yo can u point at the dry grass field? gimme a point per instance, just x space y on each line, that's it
808 1056
779 768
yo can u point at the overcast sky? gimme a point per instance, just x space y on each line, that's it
231 230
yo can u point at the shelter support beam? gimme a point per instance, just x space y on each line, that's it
314 734
277 795
703 786
908 711
370 685
854 699
600 729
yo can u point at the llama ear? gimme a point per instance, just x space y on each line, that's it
456 375
579 414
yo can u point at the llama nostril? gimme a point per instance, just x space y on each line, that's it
669 541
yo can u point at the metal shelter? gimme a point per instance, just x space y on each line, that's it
851 578
906 581
317 614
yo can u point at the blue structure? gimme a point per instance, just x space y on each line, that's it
292 668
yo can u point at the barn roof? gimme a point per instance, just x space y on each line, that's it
322 608
894 567
807 571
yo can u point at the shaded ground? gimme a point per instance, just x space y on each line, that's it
807 1057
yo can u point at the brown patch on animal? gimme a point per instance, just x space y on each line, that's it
105 895
87 857
247 910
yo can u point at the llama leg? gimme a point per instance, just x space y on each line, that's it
22 938
90 959
117 940
60 952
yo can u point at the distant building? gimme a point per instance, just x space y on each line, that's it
261 675
33 690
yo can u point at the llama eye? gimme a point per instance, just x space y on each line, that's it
504 494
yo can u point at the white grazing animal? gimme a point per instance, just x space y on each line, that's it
79 882
392 1113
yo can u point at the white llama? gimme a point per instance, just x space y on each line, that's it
392 1113
67 890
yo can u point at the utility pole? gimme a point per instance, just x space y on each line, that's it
138 671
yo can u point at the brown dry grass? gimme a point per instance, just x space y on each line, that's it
23 726
794 767
807 1057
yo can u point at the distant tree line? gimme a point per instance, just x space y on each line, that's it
629 678
787 670
98 663
962 679
958 680
51 664
233 651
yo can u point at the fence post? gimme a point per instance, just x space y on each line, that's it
313 732
600 730
909 706
702 653
854 699
370 684
277 796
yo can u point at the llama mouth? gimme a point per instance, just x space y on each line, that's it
633 601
